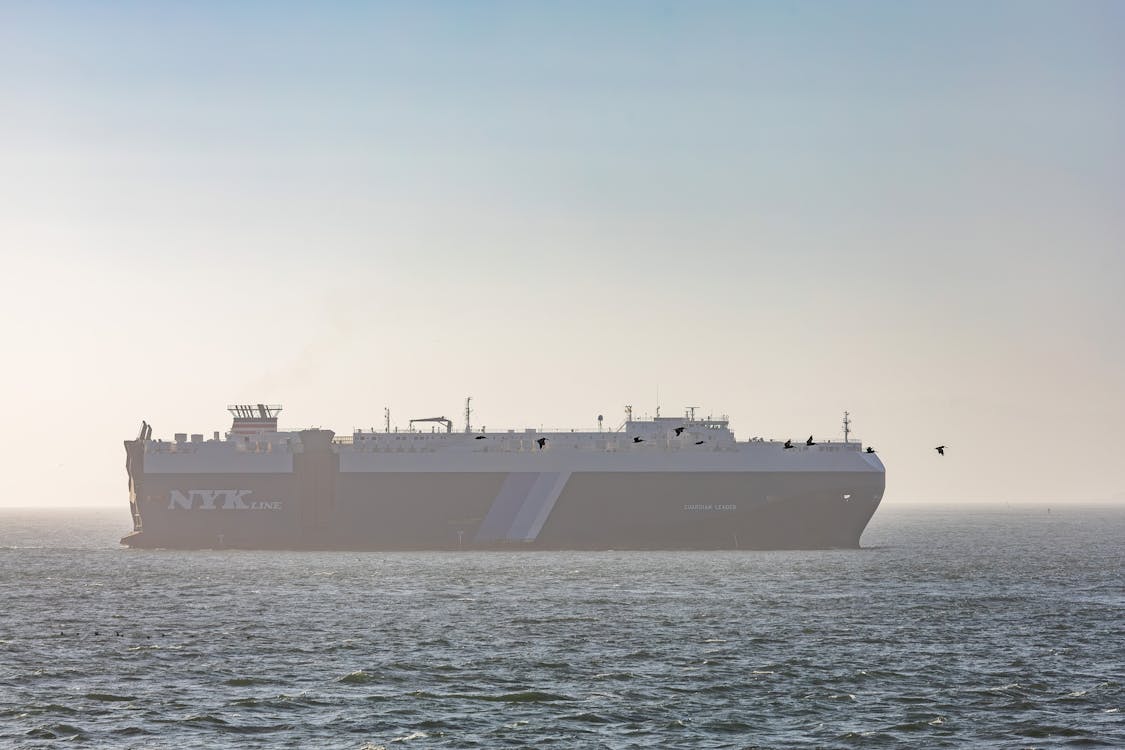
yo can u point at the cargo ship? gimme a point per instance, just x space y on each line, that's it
661 483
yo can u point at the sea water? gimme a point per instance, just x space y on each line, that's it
951 627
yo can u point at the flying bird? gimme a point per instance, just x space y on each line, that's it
940 449
679 430
809 441
542 442
788 444
638 440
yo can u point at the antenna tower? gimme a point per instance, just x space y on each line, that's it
847 427
387 418
468 415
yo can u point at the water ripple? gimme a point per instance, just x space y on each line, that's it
948 631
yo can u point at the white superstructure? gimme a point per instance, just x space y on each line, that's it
660 444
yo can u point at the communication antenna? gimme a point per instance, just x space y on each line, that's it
468 415
387 418
599 423
691 413
847 426
628 413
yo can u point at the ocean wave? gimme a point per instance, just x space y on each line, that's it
246 681
521 696
56 732
359 677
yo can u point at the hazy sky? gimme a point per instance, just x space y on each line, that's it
779 211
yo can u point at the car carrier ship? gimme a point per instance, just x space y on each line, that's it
662 483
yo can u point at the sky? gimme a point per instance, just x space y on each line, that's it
774 211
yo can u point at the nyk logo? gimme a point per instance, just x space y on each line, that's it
217 499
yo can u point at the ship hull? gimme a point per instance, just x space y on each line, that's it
317 505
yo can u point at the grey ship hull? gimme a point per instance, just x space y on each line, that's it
316 505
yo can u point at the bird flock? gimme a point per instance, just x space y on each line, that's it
787 445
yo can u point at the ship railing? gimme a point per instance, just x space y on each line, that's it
521 432
852 442
530 444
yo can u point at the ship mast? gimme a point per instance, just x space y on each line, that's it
847 427
468 415
387 418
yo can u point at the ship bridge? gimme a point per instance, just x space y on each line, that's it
714 432
254 419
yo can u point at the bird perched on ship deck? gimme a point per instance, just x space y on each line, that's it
810 441
870 449
638 440
481 437
940 449
788 444
678 430
542 442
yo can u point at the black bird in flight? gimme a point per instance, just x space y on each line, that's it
940 449
481 437
700 442
679 430
809 441
870 449
788 444
542 442
638 440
